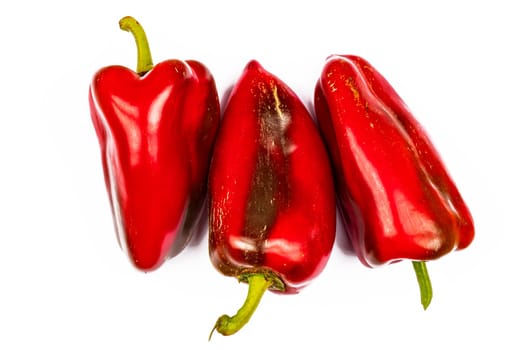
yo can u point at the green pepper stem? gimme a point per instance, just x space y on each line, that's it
423 279
144 60
228 325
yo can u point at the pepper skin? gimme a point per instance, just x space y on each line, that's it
156 129
272 200
396 197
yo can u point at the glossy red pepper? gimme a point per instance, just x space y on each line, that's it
272 201
156 128
396 197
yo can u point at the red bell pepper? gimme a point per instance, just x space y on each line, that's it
396 197
272 200
156 128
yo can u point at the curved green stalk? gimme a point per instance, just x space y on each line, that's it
227 325
423 279
144 60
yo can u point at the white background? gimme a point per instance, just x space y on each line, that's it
65 284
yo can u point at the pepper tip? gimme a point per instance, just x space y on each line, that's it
253 65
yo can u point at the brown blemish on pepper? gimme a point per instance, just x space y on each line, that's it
355 91
261 210
269 184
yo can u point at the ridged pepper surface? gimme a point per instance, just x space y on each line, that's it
272 200
156 128
397 199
